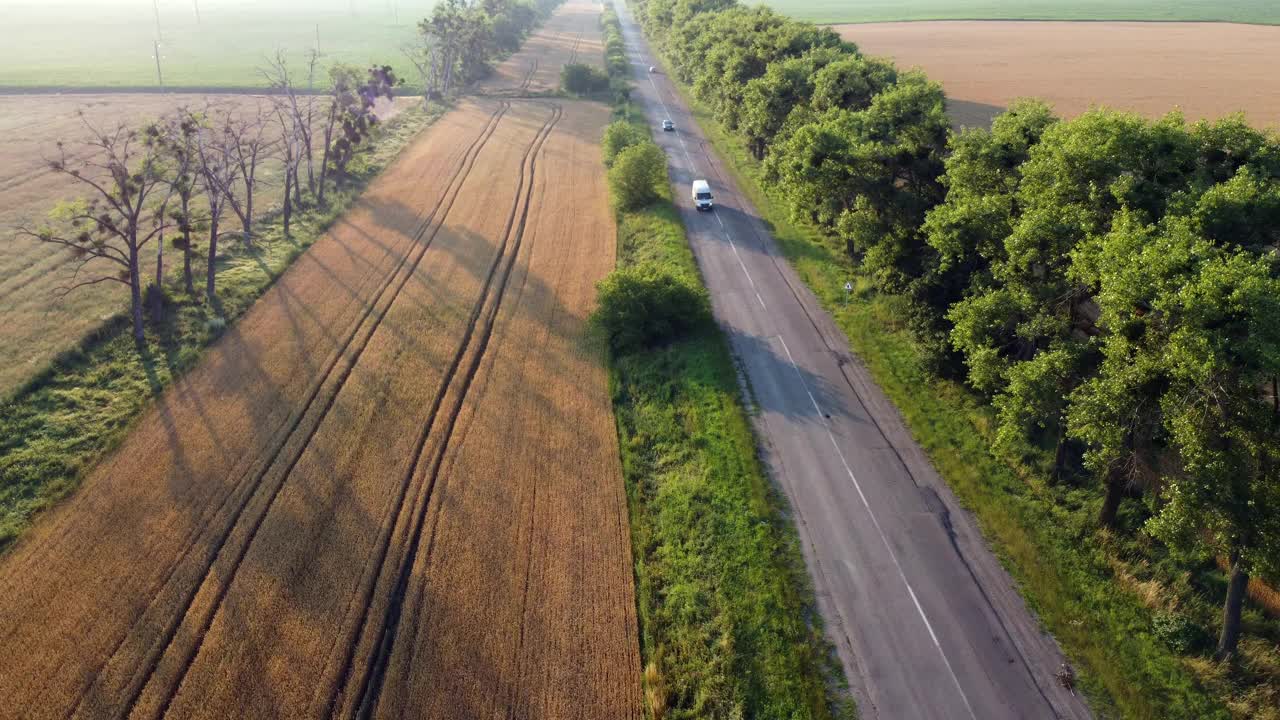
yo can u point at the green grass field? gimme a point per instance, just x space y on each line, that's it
1265 12
109 43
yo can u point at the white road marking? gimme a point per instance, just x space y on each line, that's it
883 538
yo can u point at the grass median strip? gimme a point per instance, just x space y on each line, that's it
723 600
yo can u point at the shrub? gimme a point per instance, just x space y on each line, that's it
580 79
619 136
1180 634
637 176
640 308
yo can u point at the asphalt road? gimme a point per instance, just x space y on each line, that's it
925 620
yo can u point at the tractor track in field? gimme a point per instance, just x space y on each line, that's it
573 51
141 677
528 77
475 365
363 704
423 241
369 584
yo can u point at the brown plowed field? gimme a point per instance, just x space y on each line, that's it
391 489
1206 69
571 36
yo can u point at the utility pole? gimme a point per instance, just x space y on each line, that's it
197 4
155 5
159 76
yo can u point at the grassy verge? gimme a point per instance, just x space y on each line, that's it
1103 596
56 427
721 590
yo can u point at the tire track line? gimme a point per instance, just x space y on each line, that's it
453 443
440 211
528 76
573 52
215 508
412 634
364 703
147 669
335 682
369 696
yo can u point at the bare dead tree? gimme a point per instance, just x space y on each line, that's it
178 137
123 177
217 174
424 53
302 110
342 88
290 145
248 142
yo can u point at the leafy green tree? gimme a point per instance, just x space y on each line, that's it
620 135
581 79
851 82
641 308
1222 324
966 234
768 100
1075 181
1116 412
637 176
903 137
1244 210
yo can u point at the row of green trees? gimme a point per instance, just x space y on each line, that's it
1109 283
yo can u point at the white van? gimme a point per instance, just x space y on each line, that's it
701 195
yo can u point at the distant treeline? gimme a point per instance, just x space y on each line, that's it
457 42
1110 284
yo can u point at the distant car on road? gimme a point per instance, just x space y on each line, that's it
653 69
701 195
668 126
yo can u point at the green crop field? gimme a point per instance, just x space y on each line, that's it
110 43
849 11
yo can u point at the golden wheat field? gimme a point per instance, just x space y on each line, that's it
392 489
1205 69
572 35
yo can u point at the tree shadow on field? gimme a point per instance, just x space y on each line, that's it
295 471
970 114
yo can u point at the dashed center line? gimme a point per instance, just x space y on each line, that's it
876 523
